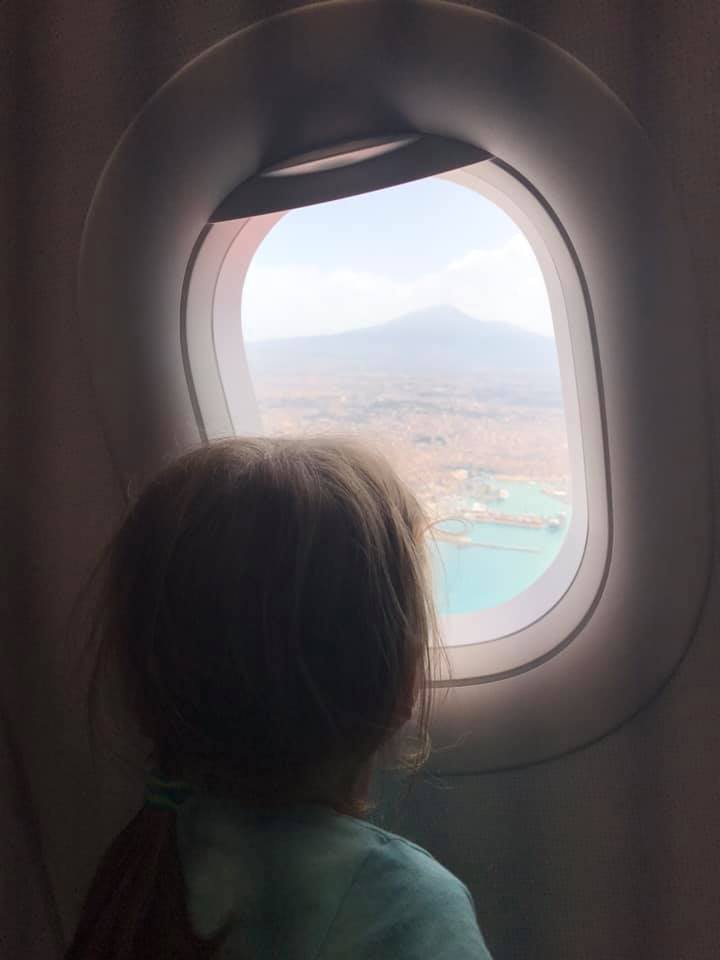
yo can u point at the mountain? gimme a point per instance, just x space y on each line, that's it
438 340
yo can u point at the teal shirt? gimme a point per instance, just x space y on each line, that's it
311 884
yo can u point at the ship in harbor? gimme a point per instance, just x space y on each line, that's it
556 523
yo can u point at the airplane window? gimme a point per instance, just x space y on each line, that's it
417 318
504 332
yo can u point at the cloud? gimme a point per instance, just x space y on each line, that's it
502 284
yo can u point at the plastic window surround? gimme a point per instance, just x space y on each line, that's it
453 71
512 636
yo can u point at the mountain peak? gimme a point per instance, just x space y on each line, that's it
439 338
443 321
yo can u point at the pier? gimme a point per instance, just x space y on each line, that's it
464 541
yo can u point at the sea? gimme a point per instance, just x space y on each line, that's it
472 577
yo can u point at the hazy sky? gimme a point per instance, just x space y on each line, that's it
365 260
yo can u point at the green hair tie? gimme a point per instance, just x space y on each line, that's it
165 794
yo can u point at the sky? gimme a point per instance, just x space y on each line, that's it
367 259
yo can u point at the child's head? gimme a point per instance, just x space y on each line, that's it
267 602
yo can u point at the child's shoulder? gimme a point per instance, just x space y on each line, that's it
398 857
403 904
398 843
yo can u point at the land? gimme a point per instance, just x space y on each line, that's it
454 444
457 404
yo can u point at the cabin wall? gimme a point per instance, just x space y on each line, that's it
610 852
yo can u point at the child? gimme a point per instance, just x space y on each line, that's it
267 604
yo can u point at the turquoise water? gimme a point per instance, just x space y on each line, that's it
471 578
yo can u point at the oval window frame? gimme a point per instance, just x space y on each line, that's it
520 633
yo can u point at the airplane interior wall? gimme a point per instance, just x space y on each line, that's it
611 852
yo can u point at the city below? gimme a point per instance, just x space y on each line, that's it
455 445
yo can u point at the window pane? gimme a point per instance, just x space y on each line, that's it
417 318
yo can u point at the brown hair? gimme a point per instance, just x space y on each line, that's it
266 603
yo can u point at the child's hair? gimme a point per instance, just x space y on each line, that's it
267 605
